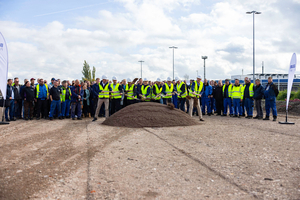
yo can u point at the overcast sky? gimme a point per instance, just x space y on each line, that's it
52 38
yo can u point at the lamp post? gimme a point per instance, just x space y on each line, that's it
204 57
197 72
173 47
141 61
253 13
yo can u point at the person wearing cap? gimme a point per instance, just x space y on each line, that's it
168 91
130 91
182 93
157 89
227 101
237 98
50 85
65 98
248 97
196 92
116 95
145 93
41 99
206 98
55 93
103 96
76 99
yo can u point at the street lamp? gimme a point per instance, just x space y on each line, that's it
253 13
173 58
141 61
204 57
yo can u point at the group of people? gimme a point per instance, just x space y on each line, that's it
104 97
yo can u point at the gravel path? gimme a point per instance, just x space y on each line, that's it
223 158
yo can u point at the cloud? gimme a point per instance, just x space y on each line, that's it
114 40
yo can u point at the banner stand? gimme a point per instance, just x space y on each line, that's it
286 122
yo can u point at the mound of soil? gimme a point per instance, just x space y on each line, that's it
148 114
294 107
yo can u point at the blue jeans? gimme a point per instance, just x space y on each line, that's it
237 106
271 103
174 100
11 109
249 106
213 104
206 102
65 108
167 100
227 103
55 105
76 105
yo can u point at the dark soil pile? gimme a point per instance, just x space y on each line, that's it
294 107
148 114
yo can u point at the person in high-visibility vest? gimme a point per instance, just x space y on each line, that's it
237 98
181 92
168 91
157 89
130 90
116 95
145 93
65 99
227 101
103 96
196 91
248 97
41 99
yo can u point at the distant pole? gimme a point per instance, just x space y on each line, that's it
173 47
262 67
197 72
204 58
141 61
253 12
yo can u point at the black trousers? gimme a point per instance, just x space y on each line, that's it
219 106
129 102
42 108
86 109
115 106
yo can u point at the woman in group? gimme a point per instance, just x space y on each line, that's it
28 97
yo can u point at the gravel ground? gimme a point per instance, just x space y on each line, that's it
223 158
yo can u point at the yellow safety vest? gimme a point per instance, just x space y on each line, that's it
144 91
196 89
237 92
157 90
38 90
63 94
130 91
104 95
179 90
169 90
229 90
116 95
251 91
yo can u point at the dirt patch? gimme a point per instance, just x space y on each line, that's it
149 114
294 107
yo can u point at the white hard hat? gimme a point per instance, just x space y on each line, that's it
199 77
128 80
104 77
177 79
145 79
114 78
169 79
158 80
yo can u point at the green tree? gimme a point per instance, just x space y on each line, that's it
88 75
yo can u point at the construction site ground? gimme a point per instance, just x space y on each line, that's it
222 158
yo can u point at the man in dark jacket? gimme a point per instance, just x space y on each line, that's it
218 95
18 98
27 94
258 95
10 96
76 100
270 97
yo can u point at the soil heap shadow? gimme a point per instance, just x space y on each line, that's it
149 114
